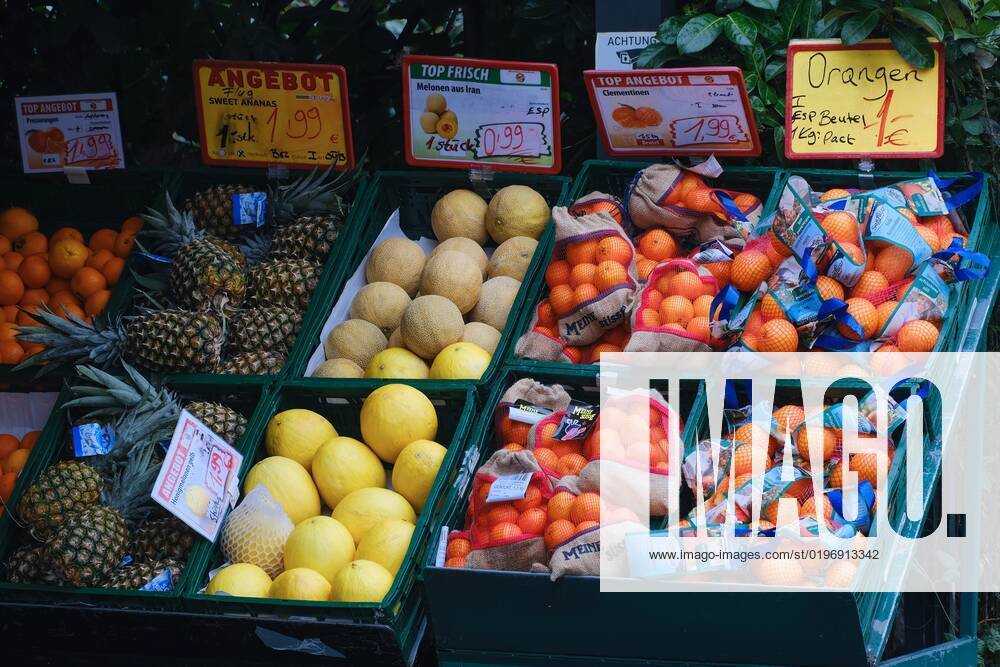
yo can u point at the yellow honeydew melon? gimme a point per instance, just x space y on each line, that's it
429 121
398 261
430 324
454 276
343 465
395 415
240 579
460 213
361 581
256 531
386 543
482 335
467 247
397 363
516 210
300 583
321 544
289 483
338 368
382 304
416 469
297 434
460 361
364 508
512 258
495 301
356 340
436 103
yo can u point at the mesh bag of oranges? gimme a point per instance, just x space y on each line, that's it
523 404
673 311
599 202
679 200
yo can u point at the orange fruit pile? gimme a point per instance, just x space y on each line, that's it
14 455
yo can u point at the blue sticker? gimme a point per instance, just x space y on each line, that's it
161 583
249 208
92 439
126 560
156 258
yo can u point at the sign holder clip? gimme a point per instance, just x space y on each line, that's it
866 179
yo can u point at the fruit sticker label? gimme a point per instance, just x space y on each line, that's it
862 101
460 112
529 413
259 114
509 487
682 111
69 131
198 479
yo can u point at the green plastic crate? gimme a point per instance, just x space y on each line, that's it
53 445
414 193
350 628
613 177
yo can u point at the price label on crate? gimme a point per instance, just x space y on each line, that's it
862 101
259 114
198 480
60 132
459 112
683 111
509 487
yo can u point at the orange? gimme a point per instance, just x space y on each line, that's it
702 306
929 237
63 301
11 288
25 319
746 202
648 318
663 280
917 336
12 260
583 294
103 239
458 547
884 311
685 184
749 269
5 245
754 321
617 336
699 328
778 336
543 434
841 226
609 274
562 300
124 244
87 281
771 514
869 284
595 352
829 443
658 245
721 271
96 302
514 431
15 460
32 243
829 288
98 259
686 284
513 447
67 257
865 314
788 418
834 193
8 444
7 482
852 251
903 287
546 458
676 310
703 200
743 461
532 498
10 313
894 262
574 354
870 256
778 246
571 464
29 439
532 521
15 222
57 285
942 227
557 273
8 331
614 249
66 233
808 508
773 256
586 507
581 274
458 561
563 448
582 252
560 505
586 525
545 331
34 271
500 513
558 532
546 316
34 297
909 215
770 309
33 348
644 267
504 531
133 224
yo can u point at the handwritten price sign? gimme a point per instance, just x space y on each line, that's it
261 114
682 111
59 131
862 101
460 112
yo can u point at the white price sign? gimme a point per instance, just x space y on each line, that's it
509 487
466 113
198 480
60 132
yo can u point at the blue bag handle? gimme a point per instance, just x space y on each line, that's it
957 247
730 205
867 496
962 197
724 301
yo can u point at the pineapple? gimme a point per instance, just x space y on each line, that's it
165 538
171 341
283 282
253 363
273 328
137 575
212 210
309 237
65 489
27 565
224 421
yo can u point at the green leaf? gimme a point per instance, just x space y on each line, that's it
750 79
653 56
723 6
859 26
773 69
740 30
790 16
764 4
756 57
667 32
971 110
923 19
912 45
812 10
953 13
974 126
699 33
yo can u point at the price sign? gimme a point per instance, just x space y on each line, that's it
257 114
683 111
459 112
76 131
862 101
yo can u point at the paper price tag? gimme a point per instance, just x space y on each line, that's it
69 132
509 487
466 113
682 111
528 413
196 480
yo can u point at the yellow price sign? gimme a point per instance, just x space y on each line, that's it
862 101
258 114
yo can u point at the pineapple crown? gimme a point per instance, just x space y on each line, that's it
256 248
70 340
311 194
131 481
167 232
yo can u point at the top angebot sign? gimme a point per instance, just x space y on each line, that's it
862 101
460 112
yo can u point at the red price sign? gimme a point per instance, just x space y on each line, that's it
511 139
707 130
90 150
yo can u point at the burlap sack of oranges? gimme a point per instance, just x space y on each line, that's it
673 310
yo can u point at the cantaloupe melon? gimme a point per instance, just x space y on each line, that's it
398 261
380 303
430 324
495 301
461 244
339 368
355 340
512 258
516 210
454 276
396 338
398 363
460 213
482 335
